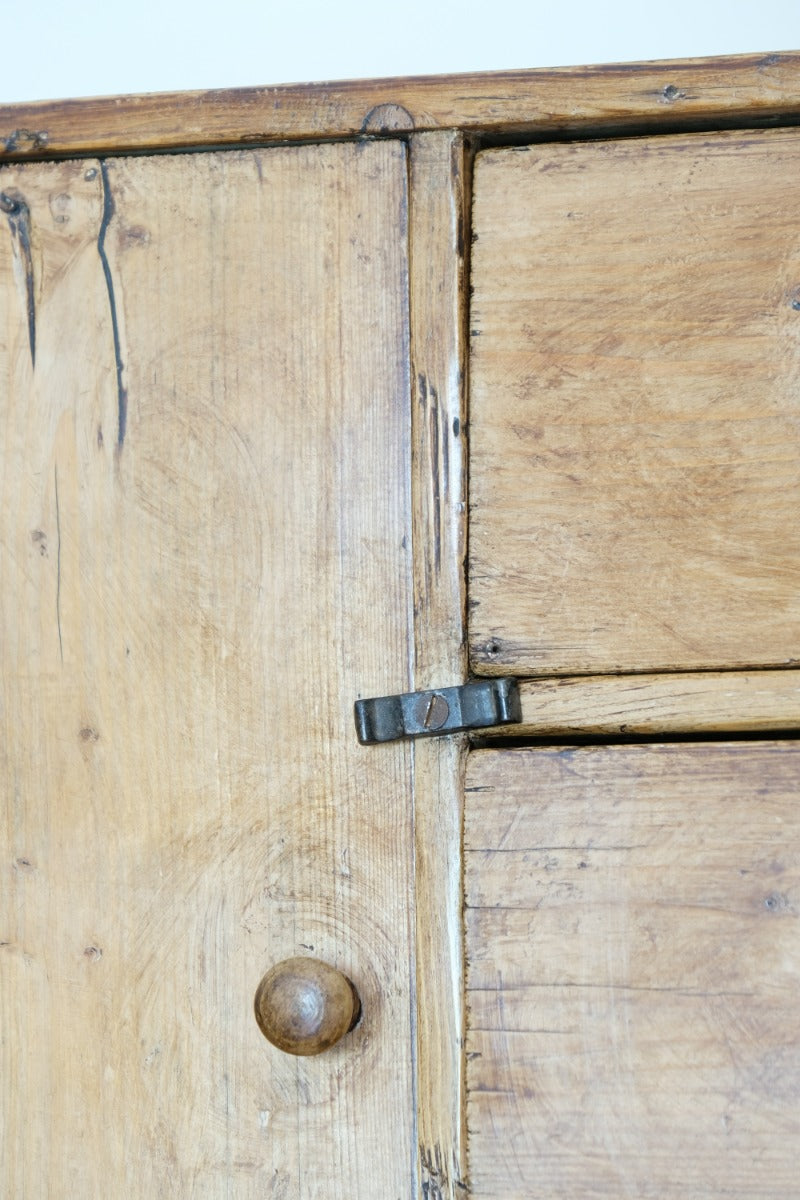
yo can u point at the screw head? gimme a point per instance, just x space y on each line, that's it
431 711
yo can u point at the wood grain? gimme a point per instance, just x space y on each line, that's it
437 247
204 533
632 939
694 702
686 93
635 430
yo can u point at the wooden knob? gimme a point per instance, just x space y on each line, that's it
304 1006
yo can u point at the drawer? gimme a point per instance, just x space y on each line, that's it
634 960
635 414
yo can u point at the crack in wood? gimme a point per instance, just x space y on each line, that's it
122 393
19 222
58 568
437 1182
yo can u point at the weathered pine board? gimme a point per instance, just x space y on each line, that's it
204 549
437 252
634 960
745 89
635 426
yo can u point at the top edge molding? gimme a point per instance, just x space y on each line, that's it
561 102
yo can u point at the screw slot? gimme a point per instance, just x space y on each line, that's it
432 711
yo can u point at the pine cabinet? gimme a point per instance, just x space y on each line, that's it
309 395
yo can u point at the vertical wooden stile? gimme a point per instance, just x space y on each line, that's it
438 225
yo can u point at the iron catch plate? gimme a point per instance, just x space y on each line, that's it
479 704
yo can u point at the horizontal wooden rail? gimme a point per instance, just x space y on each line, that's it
567 101
691 702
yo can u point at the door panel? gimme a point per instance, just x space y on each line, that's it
204 531
635 424
634 961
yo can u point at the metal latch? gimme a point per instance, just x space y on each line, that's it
479 704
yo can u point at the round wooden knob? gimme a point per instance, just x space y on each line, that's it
304 1006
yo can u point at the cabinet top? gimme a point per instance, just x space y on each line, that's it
701 93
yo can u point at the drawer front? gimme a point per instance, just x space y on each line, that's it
635 413
634 963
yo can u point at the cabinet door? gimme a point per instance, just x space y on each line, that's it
633 943
204 532
635 423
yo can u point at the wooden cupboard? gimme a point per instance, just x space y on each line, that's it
239 388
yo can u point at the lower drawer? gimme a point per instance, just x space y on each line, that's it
634 969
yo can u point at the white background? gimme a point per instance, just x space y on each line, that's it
54 49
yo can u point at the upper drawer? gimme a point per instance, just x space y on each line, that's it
635 405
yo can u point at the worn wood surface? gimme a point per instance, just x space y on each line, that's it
694 702
634 954
205 545
437 241
745 89
635 430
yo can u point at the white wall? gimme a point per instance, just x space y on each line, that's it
56 48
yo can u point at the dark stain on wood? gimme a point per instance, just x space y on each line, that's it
777 902
387 118
25 139
671 93
134 235
437 1182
